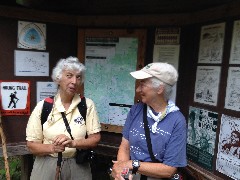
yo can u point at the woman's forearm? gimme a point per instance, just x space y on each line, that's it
39 148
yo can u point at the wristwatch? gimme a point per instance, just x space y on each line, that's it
136 165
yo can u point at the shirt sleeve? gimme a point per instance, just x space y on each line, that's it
34 126
92 119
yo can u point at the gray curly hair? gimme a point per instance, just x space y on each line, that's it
70 63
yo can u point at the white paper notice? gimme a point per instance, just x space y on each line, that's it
29 63
45 89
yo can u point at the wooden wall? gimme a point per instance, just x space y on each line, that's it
61 43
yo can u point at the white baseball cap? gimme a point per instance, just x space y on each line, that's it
163 71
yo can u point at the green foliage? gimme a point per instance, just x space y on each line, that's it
14 168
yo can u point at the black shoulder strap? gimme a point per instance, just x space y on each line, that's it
66 124
48 105
147 134
82 107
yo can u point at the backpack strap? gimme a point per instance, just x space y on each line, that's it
48 105
82 107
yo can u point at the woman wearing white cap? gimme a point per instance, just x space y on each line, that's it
153 146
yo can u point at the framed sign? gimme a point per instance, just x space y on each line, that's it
31 35
15 97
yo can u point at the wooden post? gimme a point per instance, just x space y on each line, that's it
4 147
26 166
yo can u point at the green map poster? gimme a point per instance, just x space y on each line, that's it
108 82
202 126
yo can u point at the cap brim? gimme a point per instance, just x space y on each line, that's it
140 75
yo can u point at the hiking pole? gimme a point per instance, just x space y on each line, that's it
58 169
4 148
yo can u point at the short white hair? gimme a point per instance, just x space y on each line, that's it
70 63
156 83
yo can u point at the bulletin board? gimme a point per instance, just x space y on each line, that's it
109 56
213 104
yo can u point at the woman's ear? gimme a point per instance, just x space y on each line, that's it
160 89
57 81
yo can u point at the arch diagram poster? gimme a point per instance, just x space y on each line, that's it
31 35
15 97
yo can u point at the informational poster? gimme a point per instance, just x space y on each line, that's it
232 100
108 83
169 54
31 35
211 43
207 84
15 98
30 63
166 53
167 36
235 47
202 127
228 157
46 89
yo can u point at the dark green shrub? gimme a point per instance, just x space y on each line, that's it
14 163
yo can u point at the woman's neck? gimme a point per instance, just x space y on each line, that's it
159 106
66 100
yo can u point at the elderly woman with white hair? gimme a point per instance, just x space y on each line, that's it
52 137
154 138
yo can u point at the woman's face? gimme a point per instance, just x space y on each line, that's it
70 82
147 91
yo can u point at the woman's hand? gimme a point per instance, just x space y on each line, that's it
130 177
63 140
125 174
120 169
58 148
